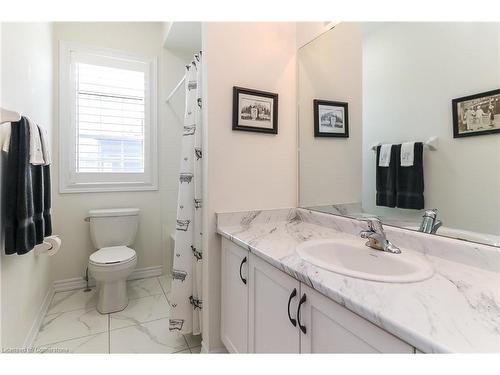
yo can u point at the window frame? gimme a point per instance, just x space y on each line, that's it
70 181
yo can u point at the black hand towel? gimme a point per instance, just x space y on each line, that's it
410 181
27 189
386 178
37 192
47 219
20 231
41 200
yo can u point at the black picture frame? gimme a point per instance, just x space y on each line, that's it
265 98
484 101
318 127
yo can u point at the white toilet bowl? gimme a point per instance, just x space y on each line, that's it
112 230
110 267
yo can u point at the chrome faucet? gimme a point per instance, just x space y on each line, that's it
376 236
430 223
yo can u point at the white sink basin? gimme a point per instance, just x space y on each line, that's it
351 257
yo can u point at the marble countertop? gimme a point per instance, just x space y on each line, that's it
457 310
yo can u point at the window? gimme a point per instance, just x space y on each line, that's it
107 120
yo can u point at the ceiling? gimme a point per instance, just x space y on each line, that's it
183 37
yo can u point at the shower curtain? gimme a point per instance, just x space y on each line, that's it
186 296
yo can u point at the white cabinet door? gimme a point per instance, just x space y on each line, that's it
273 306
331 328
234 297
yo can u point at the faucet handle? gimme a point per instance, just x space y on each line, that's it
432 213
374 224
437 225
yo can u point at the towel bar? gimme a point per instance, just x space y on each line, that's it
431 144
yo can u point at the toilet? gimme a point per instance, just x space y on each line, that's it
112 232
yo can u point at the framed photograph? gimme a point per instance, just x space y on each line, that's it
331 119
476 114
255 111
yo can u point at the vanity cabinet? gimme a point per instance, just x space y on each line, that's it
264 310
273 302
331 328
234 297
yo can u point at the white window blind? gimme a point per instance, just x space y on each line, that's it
107 120
110 119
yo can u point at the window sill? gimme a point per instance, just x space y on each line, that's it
103 188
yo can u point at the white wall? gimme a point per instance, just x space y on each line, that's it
71 209
330 69
411 72
26 87
244 170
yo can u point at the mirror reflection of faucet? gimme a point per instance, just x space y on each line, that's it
376 236
430 223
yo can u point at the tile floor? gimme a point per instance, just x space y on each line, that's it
72 323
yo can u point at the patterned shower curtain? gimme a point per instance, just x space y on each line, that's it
186 296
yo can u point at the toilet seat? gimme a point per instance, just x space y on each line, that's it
108 256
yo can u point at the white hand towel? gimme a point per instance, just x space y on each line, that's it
36 153
45 146
5 137
407 154
385 155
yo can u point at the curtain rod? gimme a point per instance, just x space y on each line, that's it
176 88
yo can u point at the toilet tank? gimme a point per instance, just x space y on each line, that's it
113 226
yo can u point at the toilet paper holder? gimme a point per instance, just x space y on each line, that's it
45 247
51 245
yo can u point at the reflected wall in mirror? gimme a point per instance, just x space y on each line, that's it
399 80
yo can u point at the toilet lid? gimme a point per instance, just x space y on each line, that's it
113 254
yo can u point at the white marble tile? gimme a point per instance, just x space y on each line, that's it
152 337
70 325
193 340
165 282
143 288
72 300
185 351
196 350
248 218
141 310
89 344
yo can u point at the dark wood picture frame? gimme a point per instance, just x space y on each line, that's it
237 91
317 130
457 101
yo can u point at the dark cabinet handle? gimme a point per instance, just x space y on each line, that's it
302 300
292 295
241 265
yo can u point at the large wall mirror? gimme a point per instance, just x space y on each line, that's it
397 119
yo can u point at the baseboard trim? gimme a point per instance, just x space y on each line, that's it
72 284
35 327
204 349
80 283
143 273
